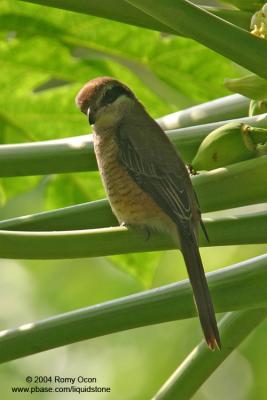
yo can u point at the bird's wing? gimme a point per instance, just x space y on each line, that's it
154 166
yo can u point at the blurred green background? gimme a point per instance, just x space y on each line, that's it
46 55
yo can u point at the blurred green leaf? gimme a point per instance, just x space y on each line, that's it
215 33
38 46
251 86
67 189
21 201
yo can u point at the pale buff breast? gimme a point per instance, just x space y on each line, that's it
129 202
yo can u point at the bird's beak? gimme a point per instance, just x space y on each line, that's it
91 116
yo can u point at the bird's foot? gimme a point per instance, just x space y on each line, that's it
191 170
138 228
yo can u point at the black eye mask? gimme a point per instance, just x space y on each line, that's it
113 93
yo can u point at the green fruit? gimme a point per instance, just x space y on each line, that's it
226 145
262 149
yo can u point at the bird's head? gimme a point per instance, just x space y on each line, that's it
104 100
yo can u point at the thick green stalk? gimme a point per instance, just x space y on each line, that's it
250 5
48 157
224 108
240 184
77 153
123 12
119 11
236 17
223 37
234 328
235 185
237 287
242 229
91 215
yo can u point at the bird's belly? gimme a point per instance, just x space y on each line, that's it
129 202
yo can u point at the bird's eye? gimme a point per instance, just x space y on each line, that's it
112 94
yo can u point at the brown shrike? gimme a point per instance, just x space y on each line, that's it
146 181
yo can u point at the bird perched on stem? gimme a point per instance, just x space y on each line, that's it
146 181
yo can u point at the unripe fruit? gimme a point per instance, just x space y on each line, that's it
226 145
262 149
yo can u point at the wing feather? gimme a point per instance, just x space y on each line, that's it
166 188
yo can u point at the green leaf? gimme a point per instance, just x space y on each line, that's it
67 189
123 12
215 33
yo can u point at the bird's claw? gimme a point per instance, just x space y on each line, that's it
140 229
191 170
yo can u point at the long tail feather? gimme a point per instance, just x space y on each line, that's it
201 292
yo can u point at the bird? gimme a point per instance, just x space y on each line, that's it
146 181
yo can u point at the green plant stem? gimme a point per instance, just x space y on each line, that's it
242 229
241 184
228 107
120 11
47 157
237 287
234 328
225 38
246 4
91 215
123 12
77 153
236 17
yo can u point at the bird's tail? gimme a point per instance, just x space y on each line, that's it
201 292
